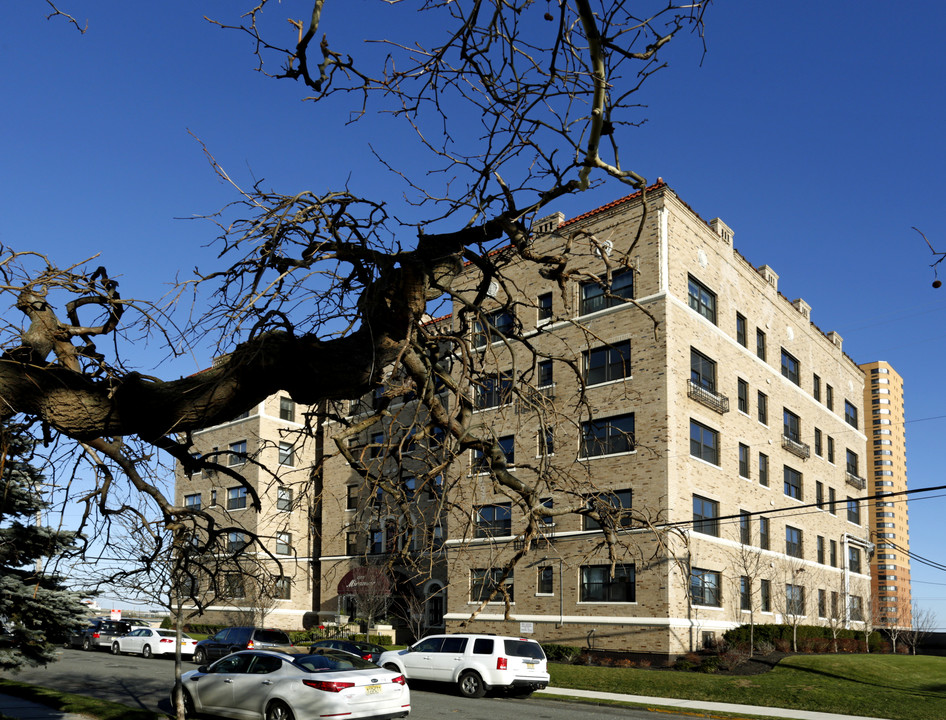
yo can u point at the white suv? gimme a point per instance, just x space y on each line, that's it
477 663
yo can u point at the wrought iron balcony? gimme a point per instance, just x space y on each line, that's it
535 398
854 481
800 449
712 400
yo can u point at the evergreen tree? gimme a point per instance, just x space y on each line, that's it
35 606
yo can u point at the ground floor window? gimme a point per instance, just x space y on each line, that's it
704 587
598 585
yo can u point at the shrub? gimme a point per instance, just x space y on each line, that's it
733 658
764 647
683 664
561 653
710 664
644 663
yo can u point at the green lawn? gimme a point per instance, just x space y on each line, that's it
900 687
69 702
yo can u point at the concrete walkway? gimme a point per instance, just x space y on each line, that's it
28 710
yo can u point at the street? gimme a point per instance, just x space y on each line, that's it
137 682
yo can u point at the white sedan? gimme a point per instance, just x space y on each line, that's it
149 642
269 685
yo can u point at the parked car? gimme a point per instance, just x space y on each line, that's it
98 634
232 639
476 663
279 686
365 650
151 641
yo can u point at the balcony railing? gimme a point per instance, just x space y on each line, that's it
800 449
712 400
535 398
855 481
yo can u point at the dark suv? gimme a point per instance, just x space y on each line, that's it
230 640
99 634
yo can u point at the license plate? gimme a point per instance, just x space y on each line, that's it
372 690
531 666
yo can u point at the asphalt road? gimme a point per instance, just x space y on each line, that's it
144 683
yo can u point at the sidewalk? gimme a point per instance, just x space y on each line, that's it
27 710
698 705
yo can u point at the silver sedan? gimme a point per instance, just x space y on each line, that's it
268 685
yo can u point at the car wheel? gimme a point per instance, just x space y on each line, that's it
86 644
279 711
116 650
200 657
146 652
472 685
189 711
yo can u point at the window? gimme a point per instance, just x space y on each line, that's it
598 585
852 462
546 442
704 442
763 408
850 414
544 581
548 520
236 498
607 436
760 344
794 600
702 371
484 582
854 559
236 541
853 511
704 587
793 544
820 545
741 330
743 460
765 595
745 594
192 501
819 494
857 608
745 529
833 552
822 604
818 450
493 391
283 543
282 588
830 449
351 497
544 373
792 482
213 498
544 305
351 543
287 454
763 469
594 298
493 520
790 368
605 364
492 327
816 387
705 516
742 393
284 499
237 453
764 533
702 299
619 500
829 396
287 409
377 541
832 501
507 445
232 585
791 425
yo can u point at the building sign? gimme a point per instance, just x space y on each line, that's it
364 581
526 628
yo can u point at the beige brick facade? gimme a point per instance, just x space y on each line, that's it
679 578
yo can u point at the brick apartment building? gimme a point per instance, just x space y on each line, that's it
721 425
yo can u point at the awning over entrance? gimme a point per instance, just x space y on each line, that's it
364 581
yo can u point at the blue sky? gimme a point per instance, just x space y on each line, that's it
815 130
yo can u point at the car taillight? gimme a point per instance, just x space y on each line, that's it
399 680
166 640
501 663
328 685
366 656
95 635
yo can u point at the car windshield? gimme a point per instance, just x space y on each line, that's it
332 660
524 649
